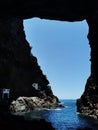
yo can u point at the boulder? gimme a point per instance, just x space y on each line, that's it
26 104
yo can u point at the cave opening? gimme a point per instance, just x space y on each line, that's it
63 52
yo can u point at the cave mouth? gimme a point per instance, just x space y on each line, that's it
63 53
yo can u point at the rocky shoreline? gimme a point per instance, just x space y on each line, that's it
87 112
12 115
87 104
27 104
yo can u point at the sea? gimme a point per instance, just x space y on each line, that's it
65 118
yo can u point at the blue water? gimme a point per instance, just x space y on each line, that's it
66 118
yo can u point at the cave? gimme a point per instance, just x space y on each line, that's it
18 65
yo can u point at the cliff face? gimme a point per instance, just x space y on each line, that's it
88 103
19 68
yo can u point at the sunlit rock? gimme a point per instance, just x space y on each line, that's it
26 104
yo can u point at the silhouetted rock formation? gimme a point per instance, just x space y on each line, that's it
13 122
19 68
71 10
88 103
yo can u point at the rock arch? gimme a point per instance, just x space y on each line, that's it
12 14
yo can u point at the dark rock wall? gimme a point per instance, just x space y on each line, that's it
18 67
89 99
70 10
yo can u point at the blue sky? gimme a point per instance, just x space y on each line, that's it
63 53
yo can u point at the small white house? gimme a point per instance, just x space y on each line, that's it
5 93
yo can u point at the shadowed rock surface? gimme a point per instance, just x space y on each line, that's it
19 68
88 103
71 10
11 122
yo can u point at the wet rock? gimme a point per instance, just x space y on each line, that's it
25 104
